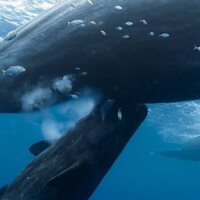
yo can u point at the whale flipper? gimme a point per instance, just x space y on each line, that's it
72 173
39 147
3 190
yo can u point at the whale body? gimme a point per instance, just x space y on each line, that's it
150 58
190 151
74 166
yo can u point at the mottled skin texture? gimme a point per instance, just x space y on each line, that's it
92 146
149 69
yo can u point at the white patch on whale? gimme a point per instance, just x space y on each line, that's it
51 130
63 85
38 98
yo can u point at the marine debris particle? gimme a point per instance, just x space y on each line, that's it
129 23
119 114
143 21
14 70
165 35
63 85
90 2
92 23
118 8
126 36
11 35
103 33
76 22
83 74
196 48
151 34
119 28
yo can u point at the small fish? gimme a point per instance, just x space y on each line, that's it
129 23
103 33
196 48
126 36
119 28
83 74
14 70
151 34
143 21
100 23
82 25
118 8
165 35
74 96
90 2
119 114
92 23
77 22
11 35
77 68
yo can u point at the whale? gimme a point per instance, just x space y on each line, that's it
74 166
146 50
190 151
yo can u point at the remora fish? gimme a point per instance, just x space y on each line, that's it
147 69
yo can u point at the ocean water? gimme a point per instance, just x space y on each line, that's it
140 172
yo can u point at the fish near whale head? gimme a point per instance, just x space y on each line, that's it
150 58
73 167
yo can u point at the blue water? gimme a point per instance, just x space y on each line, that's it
138 173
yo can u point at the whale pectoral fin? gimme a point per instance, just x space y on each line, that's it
67 177
3 190
39 147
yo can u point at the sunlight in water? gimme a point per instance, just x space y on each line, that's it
19 12
176 122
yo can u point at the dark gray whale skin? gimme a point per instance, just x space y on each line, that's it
147 68
73 167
